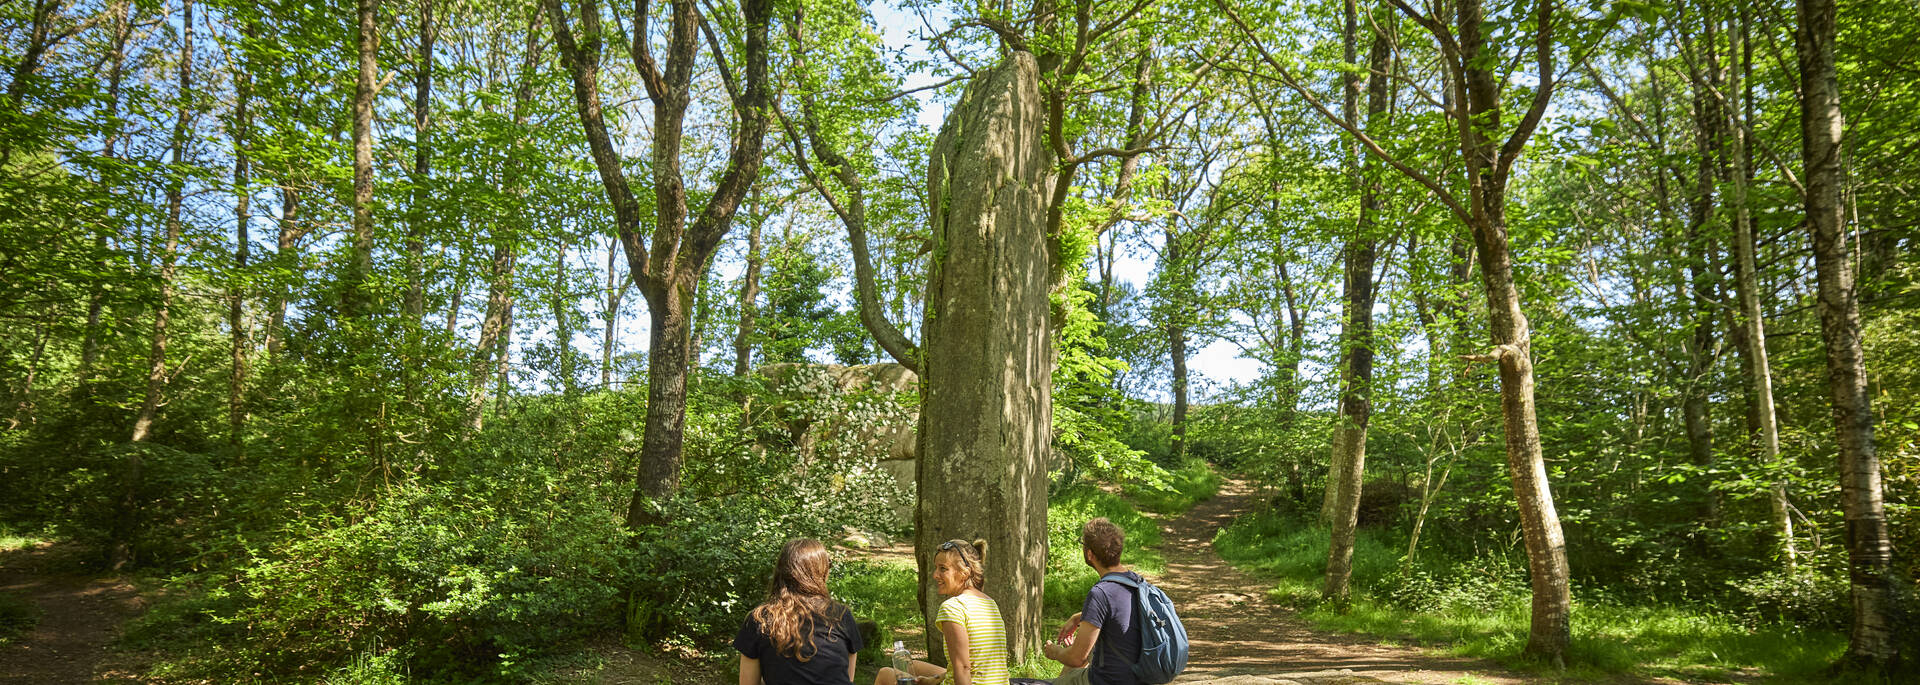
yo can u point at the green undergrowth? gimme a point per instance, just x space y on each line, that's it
13 540
1189 484
1480 608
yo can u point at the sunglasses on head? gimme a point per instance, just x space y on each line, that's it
949 545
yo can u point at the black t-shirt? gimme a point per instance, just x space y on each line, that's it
1110 607
835 639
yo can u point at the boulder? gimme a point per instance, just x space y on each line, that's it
818 380
893 441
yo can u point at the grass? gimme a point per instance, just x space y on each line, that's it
11 541
1480 608
1191 483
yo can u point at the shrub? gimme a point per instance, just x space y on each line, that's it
446 581
177 497
1192 483
1803 596
1482 584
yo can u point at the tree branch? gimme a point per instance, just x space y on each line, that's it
1286 77
1543 59
854 216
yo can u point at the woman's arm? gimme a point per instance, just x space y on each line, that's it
852 661
960 662
750 670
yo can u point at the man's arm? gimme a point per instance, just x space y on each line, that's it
1068 627
1074 654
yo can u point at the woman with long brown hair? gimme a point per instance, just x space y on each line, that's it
799 636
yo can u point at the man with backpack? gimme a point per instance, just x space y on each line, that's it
1126 632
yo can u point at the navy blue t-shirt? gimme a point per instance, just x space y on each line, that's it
835 638
1109 606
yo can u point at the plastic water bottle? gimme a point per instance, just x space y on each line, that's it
902 662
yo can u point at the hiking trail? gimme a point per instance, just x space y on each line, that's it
1234 629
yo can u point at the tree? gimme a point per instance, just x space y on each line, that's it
749 288
1356 344
496 325
356 298
668 264
121 551
1871 642
1475 104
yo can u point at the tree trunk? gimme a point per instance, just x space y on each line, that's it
1871 640
120 550
355 297
986 412
1550 630
1755 364
40 39
1296 337
285 243
1174 259
669 347
1429 488
414 301
1488 165
1356 343
1695 419
852 213
493 329
749 291
1698 248
243 244
675 256
502 366
176 189
702 316
496 327
96 294
1177 351
456 300
561 301
617 284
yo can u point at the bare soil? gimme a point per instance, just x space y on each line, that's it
80 615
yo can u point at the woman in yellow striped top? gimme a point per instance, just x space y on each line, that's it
969 621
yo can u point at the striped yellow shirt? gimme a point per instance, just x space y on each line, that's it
986 636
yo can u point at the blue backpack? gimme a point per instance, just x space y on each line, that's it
1163 641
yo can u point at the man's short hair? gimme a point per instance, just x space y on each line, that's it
1104 540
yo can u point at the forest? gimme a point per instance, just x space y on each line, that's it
508 340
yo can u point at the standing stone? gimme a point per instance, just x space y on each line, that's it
986 410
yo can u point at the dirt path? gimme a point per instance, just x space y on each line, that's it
79 616
1234 629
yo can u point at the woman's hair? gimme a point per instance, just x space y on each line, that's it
969 555
797 598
